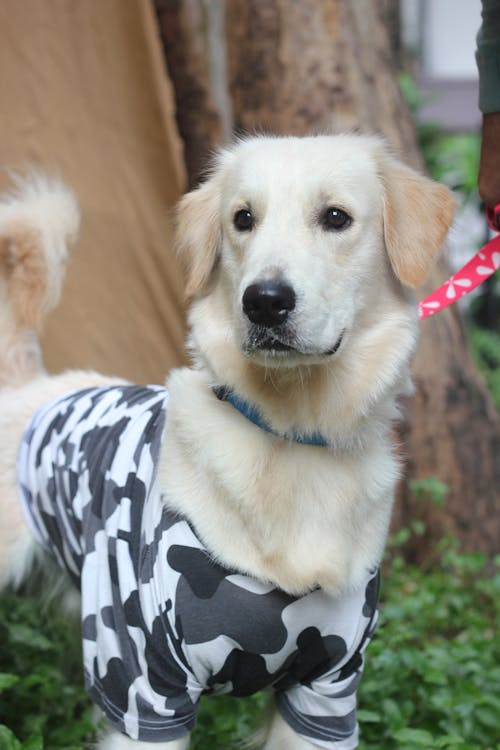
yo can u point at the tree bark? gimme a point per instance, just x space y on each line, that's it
323 65
312 66
184 27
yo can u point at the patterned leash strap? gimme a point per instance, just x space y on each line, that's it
475 271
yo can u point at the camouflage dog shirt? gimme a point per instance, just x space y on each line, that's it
162 621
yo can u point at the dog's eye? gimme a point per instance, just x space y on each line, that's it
335 218
243 220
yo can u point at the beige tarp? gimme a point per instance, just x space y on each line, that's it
84 93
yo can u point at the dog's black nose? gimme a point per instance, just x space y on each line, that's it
268 303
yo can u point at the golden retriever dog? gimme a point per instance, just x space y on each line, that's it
226 531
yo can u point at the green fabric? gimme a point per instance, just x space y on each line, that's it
488 57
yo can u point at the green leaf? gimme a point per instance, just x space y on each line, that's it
418 527
23 635
8 740
449 740
7 680
418 737
35 742
429 489
489 717
371 717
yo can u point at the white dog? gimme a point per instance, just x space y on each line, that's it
230 541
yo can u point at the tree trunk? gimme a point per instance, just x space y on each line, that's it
186 27
316 65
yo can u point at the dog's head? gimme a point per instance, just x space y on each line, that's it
293 244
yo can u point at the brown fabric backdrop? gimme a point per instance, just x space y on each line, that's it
84 94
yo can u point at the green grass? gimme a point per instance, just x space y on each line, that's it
432 677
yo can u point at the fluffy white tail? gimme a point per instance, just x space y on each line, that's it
39 218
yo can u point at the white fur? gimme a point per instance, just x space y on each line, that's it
298 516
281 737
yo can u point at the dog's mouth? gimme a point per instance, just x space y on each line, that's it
336 346
275 344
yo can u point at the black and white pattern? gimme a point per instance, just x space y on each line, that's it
162 621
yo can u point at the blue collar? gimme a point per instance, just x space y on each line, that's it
251 412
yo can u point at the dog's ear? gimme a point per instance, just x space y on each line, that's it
417 215
198 234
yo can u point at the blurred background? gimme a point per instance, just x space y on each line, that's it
127 99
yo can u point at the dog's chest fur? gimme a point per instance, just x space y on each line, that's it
299 516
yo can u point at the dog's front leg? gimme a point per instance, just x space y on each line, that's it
282 737
118 741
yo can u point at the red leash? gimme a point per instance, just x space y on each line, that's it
475 271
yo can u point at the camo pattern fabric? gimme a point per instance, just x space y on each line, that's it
162 621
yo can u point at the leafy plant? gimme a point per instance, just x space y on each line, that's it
429 489
486 352
452 158
432 673
42 701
